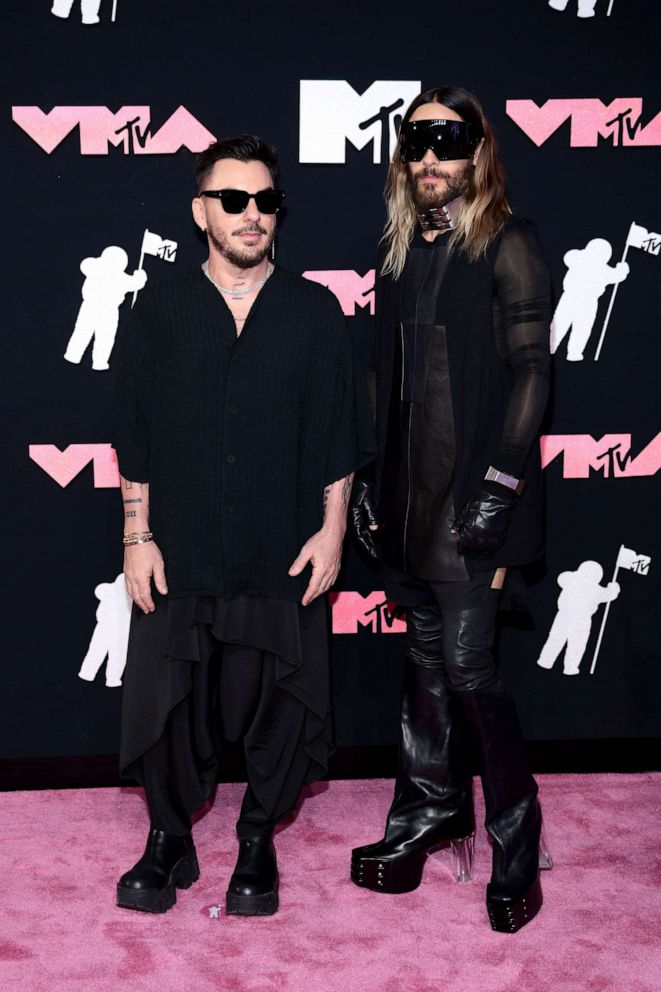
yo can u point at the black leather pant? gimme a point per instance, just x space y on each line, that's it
451 640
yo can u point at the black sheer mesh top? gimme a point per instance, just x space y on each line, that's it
521 319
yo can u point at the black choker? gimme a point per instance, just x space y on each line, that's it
436 219
441 218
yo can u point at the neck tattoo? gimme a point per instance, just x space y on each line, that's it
237 294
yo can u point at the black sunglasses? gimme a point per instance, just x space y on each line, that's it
235 201
447 139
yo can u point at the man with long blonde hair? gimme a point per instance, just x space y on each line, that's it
463 314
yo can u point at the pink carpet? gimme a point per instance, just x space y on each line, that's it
599 929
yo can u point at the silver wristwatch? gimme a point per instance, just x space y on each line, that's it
494 475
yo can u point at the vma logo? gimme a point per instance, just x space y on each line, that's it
620 121
610 456
332 113
351 289
129 128
353 612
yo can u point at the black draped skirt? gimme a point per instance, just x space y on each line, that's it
173 672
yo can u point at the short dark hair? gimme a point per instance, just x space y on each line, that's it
244 148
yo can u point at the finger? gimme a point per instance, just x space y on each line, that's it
144 592
159 578
299 563
312 590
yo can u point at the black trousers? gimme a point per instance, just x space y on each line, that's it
190 687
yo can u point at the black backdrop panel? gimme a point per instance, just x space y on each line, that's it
582 159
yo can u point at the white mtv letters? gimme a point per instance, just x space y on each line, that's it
585 7
588 275
111 634
106 284
89 10
582 595
332 113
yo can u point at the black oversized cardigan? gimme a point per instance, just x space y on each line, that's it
496 312
237 436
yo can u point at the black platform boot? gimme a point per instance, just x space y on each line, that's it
513 816
253 888
169 863
433 802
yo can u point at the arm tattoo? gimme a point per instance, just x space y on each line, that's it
346 490
327 490
132 501
131 513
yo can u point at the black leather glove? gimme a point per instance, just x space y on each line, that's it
362 513
483 522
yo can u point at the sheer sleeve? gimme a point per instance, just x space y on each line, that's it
522 317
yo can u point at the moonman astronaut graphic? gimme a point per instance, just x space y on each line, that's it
585 7
582 595
106 284
111 634
89 10
588 275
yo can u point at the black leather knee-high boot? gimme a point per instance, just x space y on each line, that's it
513 816
433 801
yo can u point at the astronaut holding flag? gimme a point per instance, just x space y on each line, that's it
638 237
581 596
106 284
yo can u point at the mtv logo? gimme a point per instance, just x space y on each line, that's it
619 121
332 113
352 611
64 466
351 289
610 455
99 127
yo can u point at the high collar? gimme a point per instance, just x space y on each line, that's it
441 218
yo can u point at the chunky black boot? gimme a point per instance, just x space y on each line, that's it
253 888
433 802
169 863
513 816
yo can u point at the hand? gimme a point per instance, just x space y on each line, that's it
141 561
483 522
362 517
324 551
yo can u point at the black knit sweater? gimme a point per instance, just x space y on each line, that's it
237 436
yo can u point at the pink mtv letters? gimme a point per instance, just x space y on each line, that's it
64 466
611 455
100 127
351 289
351 611
590 120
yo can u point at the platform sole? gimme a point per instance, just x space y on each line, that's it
395 875
508 916
265 904
160 900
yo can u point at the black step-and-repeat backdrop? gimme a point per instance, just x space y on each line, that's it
104 105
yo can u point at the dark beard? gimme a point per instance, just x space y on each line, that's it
246 259
429 197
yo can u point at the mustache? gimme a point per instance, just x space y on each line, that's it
430 170
250 229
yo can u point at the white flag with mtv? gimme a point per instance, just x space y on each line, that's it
154 244
646 241
632 561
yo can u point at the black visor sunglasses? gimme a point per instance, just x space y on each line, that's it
235 201
447 139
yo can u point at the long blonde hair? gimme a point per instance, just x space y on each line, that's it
485 208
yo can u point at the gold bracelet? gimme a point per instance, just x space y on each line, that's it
138 537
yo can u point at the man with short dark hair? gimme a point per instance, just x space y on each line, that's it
239 424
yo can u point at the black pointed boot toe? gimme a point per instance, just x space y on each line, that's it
168 863
253 888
